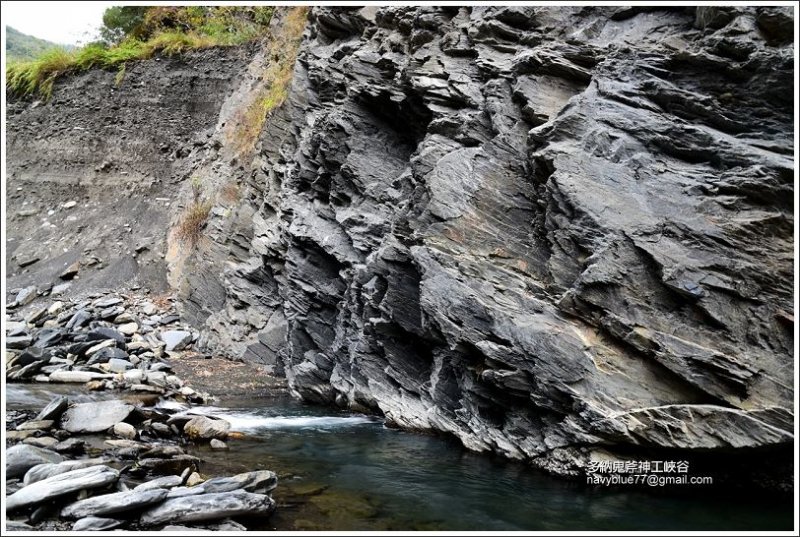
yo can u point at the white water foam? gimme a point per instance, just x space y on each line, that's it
251 421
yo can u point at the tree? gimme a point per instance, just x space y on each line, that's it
120 22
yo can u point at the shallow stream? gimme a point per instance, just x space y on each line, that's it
344 471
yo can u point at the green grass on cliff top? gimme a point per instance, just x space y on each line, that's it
37 76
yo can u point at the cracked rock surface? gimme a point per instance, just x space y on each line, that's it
547 231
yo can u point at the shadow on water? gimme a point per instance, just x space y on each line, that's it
349 472
342 471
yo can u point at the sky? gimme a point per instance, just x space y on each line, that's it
66 23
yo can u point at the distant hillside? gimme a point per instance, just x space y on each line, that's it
21 46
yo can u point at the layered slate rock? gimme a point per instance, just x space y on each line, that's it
202 507
62 484
543 230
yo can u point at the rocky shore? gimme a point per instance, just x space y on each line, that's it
114 455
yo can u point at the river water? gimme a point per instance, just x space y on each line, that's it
343 471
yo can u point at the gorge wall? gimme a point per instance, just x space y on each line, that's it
555 233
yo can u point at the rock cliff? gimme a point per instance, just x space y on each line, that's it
555 233
547 231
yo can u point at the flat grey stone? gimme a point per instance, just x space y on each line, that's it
61 484
22 457
95 417
208 507
109 504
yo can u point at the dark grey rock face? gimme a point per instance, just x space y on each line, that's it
546 231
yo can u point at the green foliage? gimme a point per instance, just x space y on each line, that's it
21 47
40 74
136 33
120 22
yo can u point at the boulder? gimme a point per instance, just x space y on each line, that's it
203 427
176 340
22 457
95 417
259 481
208 507
47 470
109 504
60 485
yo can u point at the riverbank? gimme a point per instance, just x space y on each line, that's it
109 448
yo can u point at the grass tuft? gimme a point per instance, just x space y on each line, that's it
193 220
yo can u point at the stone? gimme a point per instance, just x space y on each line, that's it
134 376
71 271
18 342
69 204
203 427
25 261
125 430
36 314
99 346
168 319
166 482
259 481
176 340
110 504
125 317
208 507
48 337
54 409
30 356
60 289
172 465
80 318
47 470
116 365
128 328
107 302
77 376
47 442
218 444
22 457
15 328
17 525
55 308
70 445
93 523
35 425
107 354
148 308
61 485
26 296
110 312
95 417
194 479
146 388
